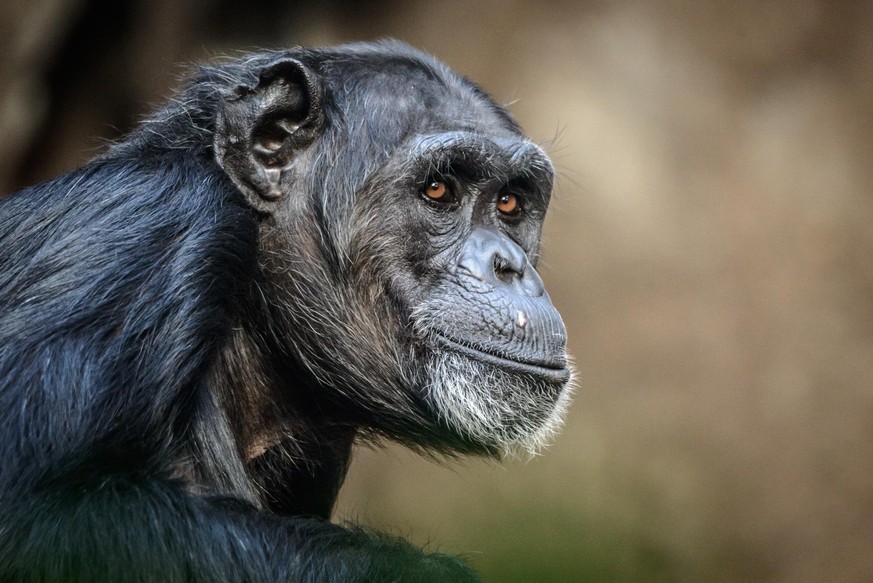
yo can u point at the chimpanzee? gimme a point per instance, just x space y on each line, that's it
302 250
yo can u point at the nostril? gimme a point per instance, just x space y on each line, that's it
493 258
504 271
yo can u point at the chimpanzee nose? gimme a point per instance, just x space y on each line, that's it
492 257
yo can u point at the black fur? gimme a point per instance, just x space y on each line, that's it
179 390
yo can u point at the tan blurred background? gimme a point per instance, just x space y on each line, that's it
710 246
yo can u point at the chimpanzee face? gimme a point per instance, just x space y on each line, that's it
403 212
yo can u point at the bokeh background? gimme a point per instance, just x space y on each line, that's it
710 246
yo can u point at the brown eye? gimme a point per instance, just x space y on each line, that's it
436 190
508 204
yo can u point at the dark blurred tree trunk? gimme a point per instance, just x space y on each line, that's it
82 72
30 34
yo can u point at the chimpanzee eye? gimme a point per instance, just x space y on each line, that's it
436 190
509 204
439 191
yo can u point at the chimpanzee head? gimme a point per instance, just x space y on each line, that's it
400 216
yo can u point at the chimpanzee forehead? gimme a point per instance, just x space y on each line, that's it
409 90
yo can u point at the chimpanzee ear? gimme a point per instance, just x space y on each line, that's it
260 130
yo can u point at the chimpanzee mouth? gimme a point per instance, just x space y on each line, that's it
554 371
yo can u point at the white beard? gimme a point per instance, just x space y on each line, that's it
517 413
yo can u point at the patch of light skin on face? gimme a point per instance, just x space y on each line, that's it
521 319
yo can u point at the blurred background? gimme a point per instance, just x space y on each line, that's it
710 247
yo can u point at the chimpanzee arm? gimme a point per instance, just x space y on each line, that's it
129 528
